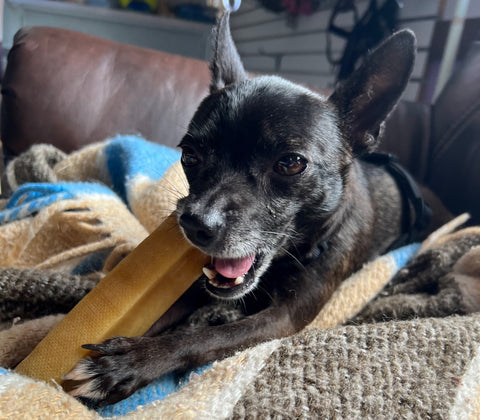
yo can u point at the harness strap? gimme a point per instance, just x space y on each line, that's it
411 196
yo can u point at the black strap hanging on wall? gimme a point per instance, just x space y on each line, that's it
376 24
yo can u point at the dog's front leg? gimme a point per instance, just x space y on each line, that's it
120 366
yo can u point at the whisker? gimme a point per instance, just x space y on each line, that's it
289 235
293 257
170 205
243 304
181 174
173 188
275 233
260 287
165 212
171 197
252 294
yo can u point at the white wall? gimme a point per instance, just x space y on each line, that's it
178 36
268 45
473 10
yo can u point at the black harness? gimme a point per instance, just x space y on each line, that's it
412 199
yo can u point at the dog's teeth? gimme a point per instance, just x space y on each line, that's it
209 273
239 280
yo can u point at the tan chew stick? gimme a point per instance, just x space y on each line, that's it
126 302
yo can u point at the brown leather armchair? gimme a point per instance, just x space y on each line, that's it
70 89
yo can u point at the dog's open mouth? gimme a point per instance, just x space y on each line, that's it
231 277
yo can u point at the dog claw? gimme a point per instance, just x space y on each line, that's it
88 390
92 347
79 373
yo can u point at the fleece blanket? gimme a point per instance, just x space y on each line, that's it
399 339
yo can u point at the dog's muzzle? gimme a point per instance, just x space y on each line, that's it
227 278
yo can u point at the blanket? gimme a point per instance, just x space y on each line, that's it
399 339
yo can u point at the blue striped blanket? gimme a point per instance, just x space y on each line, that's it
132 176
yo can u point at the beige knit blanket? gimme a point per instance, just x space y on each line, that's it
389 344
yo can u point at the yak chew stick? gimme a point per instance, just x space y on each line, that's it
127 301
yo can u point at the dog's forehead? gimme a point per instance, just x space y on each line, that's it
273 98
265 111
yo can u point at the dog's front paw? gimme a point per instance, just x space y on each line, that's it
111 373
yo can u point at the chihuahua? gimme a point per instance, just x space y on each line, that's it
282 200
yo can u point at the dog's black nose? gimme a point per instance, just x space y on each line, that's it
196 229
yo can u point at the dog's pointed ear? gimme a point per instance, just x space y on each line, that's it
226 66
366 98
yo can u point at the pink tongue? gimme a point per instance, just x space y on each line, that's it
232 268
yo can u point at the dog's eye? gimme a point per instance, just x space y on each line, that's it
290 164
189 157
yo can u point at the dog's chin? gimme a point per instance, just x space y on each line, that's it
226 288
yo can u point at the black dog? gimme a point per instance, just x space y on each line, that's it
281 200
